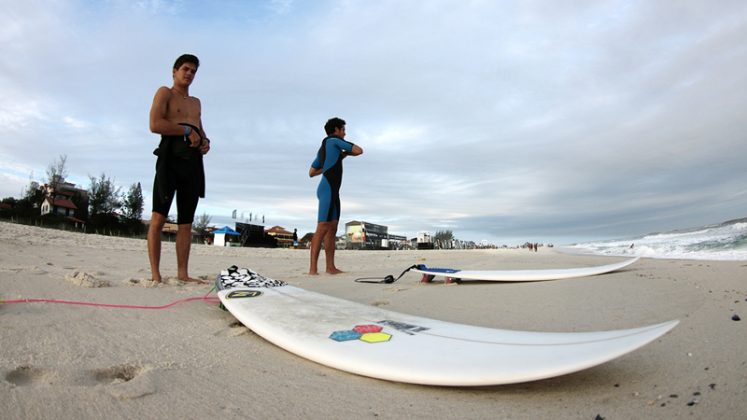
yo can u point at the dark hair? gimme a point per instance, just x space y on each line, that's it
186 58
333 123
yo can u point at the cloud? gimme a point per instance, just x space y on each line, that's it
281 7
492 119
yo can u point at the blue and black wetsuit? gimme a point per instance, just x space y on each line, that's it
329 160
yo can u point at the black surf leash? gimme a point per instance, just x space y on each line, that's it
386 280
196 130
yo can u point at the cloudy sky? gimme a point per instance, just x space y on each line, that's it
501 120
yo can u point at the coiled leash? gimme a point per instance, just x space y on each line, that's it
386 280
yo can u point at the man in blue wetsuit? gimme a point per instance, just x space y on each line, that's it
328 163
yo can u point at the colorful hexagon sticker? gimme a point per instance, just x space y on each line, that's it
375 337
369 328
345 335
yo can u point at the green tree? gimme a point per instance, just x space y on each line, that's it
132 206
29 207
443 238
103 202
103 196
201 224
133 203
11 202
80 199
57 172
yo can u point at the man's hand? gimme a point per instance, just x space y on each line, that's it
205 146
194 137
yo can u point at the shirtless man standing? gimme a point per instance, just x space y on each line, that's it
176 116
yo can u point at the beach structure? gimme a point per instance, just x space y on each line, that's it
283 237
58 201
168 233
59 204
222 236
254 236
365 235
305 241
425 240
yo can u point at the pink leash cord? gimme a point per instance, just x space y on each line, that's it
112 305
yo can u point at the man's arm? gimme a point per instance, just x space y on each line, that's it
356 150
205 145
158 111
314 172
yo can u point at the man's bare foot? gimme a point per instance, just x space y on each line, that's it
313 273
334 271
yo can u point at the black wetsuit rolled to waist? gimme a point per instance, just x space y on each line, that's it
180 170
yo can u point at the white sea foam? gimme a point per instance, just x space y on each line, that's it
727 241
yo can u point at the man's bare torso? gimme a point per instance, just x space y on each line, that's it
180 109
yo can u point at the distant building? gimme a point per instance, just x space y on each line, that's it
254 236
364 235
58 201
226 236
59 204
283 237
425 240
305 241
169 231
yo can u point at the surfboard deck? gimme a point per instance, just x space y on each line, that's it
452 274
383 344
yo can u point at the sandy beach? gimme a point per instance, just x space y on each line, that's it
195 361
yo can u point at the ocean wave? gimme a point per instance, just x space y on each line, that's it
725 242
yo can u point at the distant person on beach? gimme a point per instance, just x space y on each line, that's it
328 163
176 116
295 238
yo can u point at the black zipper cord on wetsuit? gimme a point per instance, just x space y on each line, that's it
386 280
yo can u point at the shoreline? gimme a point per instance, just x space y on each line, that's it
182 362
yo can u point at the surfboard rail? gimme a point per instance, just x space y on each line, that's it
521 275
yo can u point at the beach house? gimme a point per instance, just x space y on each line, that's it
58 201
283 237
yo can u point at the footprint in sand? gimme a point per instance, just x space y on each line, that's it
36 270
125 382
27 375
116 374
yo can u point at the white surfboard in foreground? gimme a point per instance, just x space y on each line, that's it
382 344
524 275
